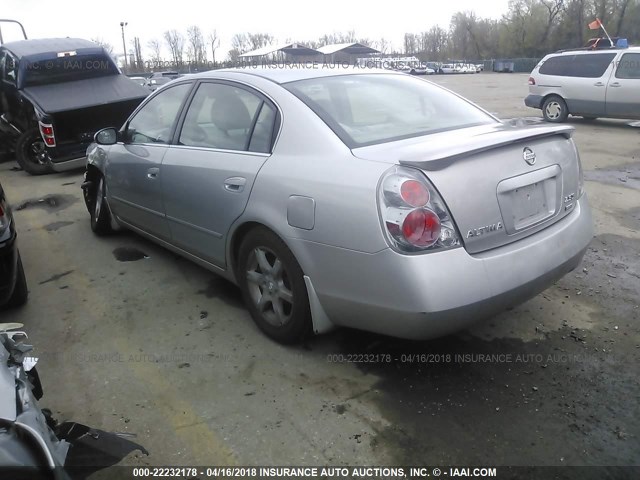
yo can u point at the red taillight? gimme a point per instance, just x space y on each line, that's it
421 228
48 134
532 81
414 216
414 193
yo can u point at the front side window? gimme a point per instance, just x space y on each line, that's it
221 116
155 120
374 108
629 66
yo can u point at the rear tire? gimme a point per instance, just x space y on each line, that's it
100 215
554 109
21 290
273 287
31 153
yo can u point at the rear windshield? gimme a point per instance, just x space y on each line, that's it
374 108
67 69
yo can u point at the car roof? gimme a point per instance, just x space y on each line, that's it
284 73
25 48
585 51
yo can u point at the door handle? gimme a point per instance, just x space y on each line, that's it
598 84
235 184
615 85
152 173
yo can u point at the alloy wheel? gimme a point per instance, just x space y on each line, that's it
269 286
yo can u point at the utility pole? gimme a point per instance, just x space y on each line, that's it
124 45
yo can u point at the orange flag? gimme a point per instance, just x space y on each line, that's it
596 24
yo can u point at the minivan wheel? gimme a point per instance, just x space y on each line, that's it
100 215
273 287
555 110
31 153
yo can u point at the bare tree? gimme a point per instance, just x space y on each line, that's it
214 41
156 49
106 45
137 53
175 42
196 51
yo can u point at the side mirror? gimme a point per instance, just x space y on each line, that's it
106 136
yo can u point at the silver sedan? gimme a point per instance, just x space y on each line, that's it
332 197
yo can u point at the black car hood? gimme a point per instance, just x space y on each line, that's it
65 96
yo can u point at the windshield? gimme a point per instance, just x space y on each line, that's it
67 69
375 108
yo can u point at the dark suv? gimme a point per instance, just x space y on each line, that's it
55 94
13 283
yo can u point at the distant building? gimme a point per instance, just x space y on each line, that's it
298 53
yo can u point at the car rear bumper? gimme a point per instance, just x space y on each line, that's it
431 295
533 101
8 268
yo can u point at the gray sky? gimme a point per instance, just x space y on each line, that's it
296 19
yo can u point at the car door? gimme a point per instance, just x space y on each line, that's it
623 89
8 84
133 170
584 88
225 137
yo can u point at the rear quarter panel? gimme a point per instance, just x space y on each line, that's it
310 160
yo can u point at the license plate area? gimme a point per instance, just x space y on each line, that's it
530 199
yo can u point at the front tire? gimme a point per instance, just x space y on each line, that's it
554 109
21 290
31 153
100 215
273 287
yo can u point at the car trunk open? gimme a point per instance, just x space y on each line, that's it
494 195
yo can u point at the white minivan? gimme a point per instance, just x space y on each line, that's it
587 83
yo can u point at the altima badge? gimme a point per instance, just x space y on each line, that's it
529 156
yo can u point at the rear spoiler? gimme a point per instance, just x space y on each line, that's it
512 131
6 20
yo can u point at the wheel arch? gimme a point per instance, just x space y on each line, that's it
319 318
554 94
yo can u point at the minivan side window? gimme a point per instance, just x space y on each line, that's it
582 66
629 66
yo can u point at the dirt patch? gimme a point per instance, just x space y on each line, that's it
129 254
50 202
223 290
624 176
55 226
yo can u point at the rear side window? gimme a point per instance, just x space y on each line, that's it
582 66
629 66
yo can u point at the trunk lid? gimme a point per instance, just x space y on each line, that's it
500 182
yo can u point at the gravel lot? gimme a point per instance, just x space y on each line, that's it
135 339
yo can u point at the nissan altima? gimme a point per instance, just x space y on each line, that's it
352 197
